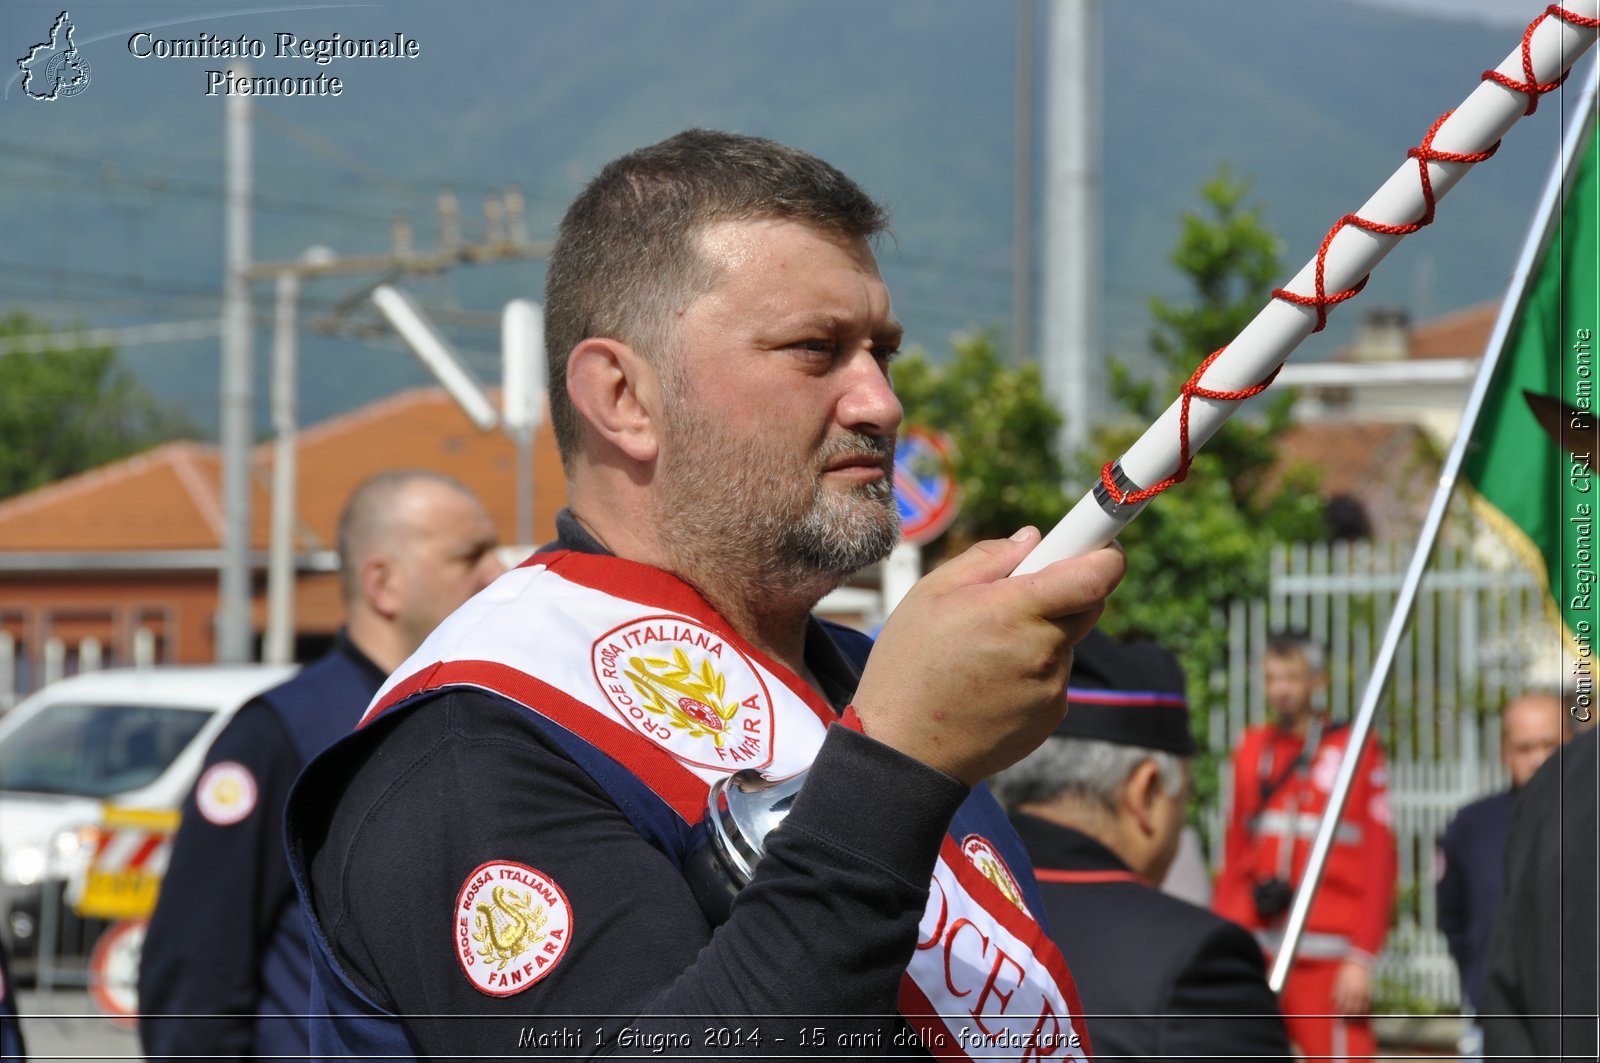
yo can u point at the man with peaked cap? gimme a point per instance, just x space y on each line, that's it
1099 807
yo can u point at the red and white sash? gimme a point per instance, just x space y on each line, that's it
634 662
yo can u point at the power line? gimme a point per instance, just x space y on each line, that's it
188 188
121 336
55 274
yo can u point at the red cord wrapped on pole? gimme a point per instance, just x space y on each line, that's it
1358 241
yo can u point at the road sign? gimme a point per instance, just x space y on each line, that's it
125 871
114 970
924 484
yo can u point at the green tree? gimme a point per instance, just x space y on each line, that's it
63 411
1004 427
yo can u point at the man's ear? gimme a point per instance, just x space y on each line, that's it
379 577
617 392
1140 793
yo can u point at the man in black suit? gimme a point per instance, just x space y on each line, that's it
1542 990
1472 852
1100 807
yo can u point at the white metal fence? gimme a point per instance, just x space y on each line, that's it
1482 632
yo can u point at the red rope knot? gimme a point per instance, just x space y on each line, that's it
1425 153
1190 391
1530 85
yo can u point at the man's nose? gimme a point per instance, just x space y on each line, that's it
869 403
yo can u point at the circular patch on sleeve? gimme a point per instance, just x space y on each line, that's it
512 926
988 860
226 793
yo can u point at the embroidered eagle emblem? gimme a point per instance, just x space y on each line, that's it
688 689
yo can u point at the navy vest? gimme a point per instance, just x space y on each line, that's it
317 707
366 1031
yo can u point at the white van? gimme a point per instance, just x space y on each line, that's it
134 738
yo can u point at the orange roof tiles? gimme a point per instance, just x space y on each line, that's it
1459 334
1390 468
169 498
1462 334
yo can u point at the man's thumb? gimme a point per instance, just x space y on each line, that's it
989 560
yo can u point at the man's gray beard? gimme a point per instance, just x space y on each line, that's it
719 514
838 534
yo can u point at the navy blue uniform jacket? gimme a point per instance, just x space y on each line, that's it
11 1046
227 946
1473 851
1160 978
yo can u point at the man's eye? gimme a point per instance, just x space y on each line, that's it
885 353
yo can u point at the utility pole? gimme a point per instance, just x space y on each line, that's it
507 239
1022 192
522 397
1071 350
278 647
233 623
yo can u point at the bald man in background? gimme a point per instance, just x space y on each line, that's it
1472 850
227 947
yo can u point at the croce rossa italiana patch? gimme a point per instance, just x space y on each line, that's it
512 926
688 690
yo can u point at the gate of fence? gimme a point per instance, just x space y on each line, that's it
1481 633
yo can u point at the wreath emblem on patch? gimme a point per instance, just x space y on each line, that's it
688 690
226 793
987 859
512 926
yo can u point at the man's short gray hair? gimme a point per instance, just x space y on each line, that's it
1086 769
627 254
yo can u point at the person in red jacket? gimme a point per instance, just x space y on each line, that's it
1283 774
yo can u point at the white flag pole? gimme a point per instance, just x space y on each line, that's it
1545 221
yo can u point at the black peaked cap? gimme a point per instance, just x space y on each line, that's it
1131 693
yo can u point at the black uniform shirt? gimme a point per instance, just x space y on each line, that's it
1542 986
464 777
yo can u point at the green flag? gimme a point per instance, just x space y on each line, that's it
1533 454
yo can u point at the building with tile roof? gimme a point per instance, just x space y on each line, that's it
1376 421
93 564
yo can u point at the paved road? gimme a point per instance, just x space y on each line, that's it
65 1022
